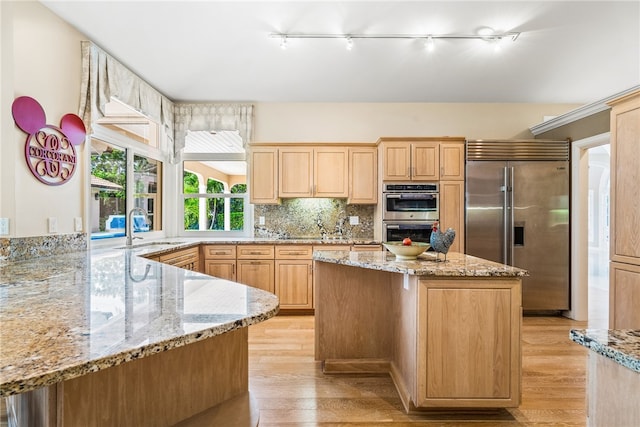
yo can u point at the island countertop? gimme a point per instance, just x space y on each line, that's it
66 316
457 265
620 345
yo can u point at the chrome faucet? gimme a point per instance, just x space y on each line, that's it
130 228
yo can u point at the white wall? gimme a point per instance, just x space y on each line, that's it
362 122
41 58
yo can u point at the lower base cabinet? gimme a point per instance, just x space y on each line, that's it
223 269
624 296
257 273
294 284
188 259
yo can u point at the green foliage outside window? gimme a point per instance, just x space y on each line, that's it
215 206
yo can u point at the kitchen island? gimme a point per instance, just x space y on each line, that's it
448 333
110 338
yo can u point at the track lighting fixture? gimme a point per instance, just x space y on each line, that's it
485 34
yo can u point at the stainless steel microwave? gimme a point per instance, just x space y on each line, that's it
411 202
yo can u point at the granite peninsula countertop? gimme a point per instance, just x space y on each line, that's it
457 265
66 316
620 345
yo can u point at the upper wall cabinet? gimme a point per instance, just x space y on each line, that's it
363 175
313 172
422 159
263 182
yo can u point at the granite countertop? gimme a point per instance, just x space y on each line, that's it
160 246
66 316
457 265
620 345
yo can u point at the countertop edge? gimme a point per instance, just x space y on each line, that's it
612 349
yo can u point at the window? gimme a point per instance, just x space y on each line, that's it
214 184
126 172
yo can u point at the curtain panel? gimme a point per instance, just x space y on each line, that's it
104 77
212 117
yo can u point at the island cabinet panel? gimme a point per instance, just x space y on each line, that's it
189 259
160 390
468 343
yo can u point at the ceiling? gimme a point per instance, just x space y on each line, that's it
216 51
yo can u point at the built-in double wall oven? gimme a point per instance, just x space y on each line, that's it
409 210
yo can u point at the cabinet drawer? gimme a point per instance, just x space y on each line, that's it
180 257
255 252
294 251
330 247
219 251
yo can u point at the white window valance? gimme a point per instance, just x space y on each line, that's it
104 77
212 117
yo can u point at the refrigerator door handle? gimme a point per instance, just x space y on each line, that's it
507 220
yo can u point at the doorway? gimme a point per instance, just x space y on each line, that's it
598 237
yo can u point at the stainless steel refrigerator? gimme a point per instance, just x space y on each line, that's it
517 213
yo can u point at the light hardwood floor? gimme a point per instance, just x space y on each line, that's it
292 391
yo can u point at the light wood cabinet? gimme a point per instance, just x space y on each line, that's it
363 175
294 277
257 273
624 283
188 259
624 296
263 176
365 248
410 161
452 211
313 172
468 343
220 261
452 161
295 172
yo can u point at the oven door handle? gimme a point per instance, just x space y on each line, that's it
409 226
410 196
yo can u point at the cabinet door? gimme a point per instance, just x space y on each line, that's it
452 211
625 181
295 172
363 176
624 296
452 161
425 161
396 161
263 184
257 273
330 172
469 343
224 269
294 284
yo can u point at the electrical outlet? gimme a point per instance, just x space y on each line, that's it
354 220
260 220
4 226
53 224
77 223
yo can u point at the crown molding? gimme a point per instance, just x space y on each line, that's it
579 113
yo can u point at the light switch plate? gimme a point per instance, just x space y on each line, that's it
77 223
354 220
260 220
4 226
53 224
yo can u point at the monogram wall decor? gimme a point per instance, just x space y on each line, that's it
49 150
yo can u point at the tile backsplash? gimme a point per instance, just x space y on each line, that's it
313 218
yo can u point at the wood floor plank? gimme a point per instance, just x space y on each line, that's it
291 389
